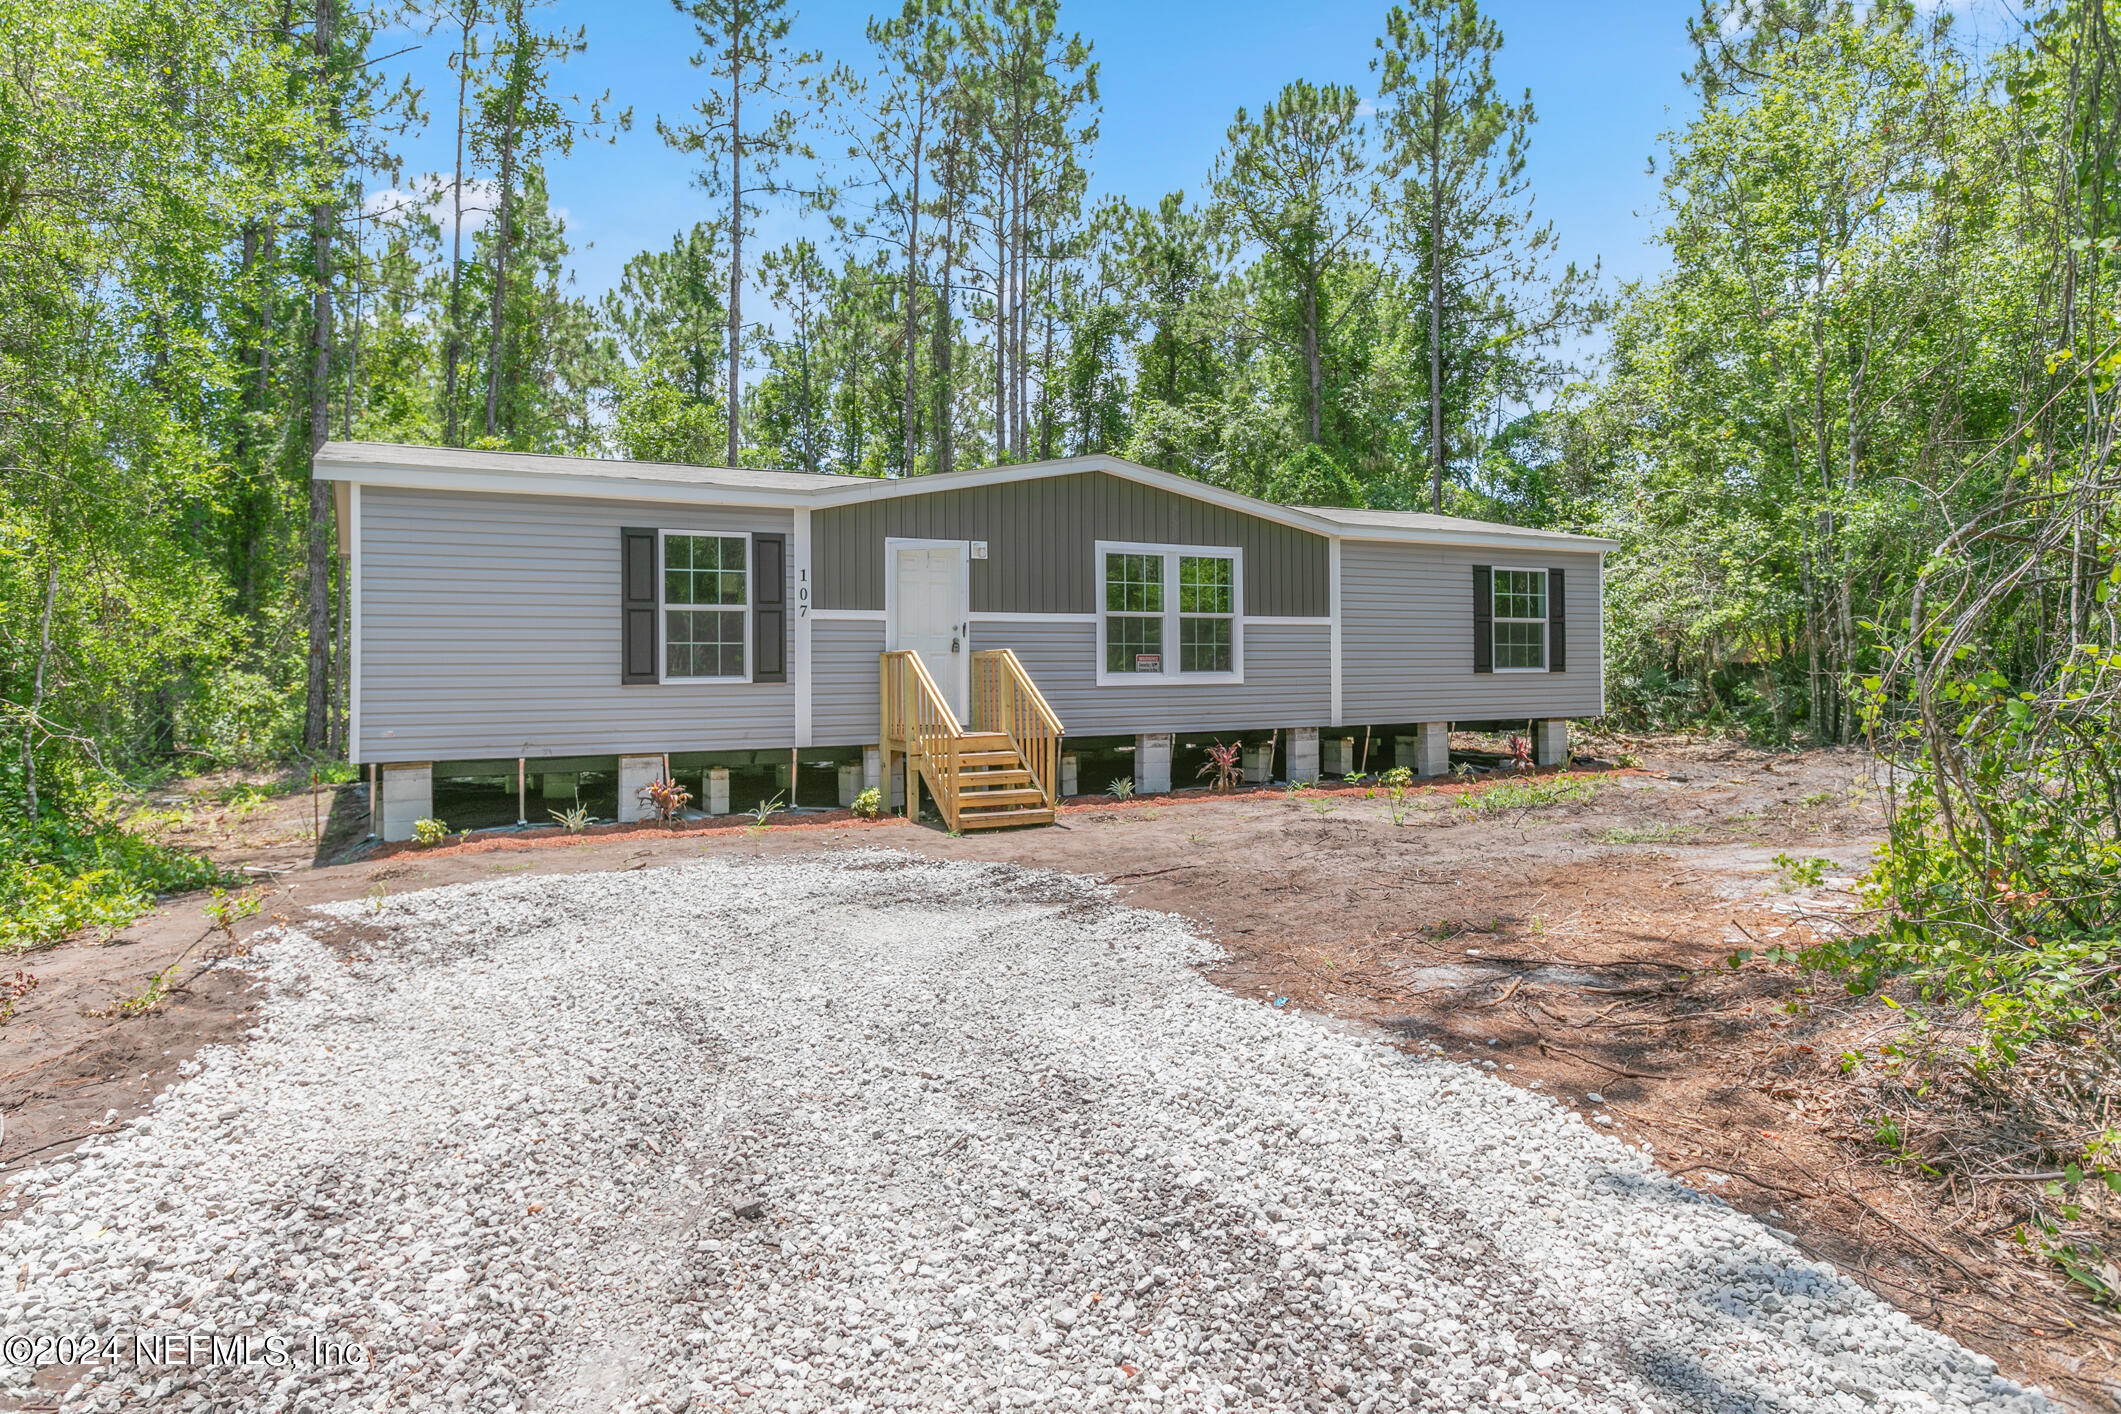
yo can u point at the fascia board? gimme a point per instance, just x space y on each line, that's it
606 488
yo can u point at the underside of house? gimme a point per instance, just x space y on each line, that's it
535 635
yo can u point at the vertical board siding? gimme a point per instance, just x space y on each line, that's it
1407 637
1287 682
1040 535
490 627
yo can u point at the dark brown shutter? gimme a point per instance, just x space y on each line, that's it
1557 625
1483 619
638 569
769 607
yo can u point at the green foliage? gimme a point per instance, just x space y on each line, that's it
60 875
1310 477
1648 834
573 820
1526 794
1121 788
429 831
869 804
1801 873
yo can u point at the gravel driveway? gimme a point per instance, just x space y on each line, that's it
1006 1149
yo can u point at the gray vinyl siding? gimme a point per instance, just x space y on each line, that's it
1040 536
490 628
844 681
1288 681
1407 637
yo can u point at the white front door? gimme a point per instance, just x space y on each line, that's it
929 614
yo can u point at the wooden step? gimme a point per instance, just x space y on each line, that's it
995 819
986 741
1007 795
1013 776
1005 757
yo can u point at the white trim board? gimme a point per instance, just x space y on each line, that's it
1333 603
1003 616
353 632
871 616
450 469
803 713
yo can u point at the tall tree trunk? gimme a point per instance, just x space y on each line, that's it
945 406
1436 466
1314 380
1045 403
36 694
321 222
736 234
503 236
453 337
912 289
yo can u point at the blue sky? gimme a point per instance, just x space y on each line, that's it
1605 78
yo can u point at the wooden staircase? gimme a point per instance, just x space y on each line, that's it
1002 771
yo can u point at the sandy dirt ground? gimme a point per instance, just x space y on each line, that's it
1596 948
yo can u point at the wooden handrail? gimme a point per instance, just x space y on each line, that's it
1004 699
916 719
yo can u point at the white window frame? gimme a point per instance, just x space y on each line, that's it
1545 647
1171 676
662 616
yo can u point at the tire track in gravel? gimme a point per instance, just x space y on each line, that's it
1013 1151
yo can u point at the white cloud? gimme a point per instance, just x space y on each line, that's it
431 193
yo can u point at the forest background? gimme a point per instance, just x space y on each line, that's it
1853 436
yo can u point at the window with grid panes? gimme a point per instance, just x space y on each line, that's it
704 599
1207 604
1520 619
1134 613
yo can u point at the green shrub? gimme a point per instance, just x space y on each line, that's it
429 831
869 804
60 875
1526 794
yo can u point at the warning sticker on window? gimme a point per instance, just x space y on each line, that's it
1148 662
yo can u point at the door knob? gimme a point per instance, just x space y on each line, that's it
953 645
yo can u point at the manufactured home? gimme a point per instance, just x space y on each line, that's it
531 622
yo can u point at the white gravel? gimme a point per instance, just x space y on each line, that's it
1012 1150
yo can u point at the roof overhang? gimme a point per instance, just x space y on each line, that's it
348 464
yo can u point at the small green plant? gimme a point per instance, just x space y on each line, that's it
1122 788
869 804
667 799
1222 763
148 997
1356 778
1525 793
1648 834
378 895
1463 770
765 810
13 991
1397 782
428 832
245 801
1802 873
573 821
1323 807
223 909
1628 761
1816 799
